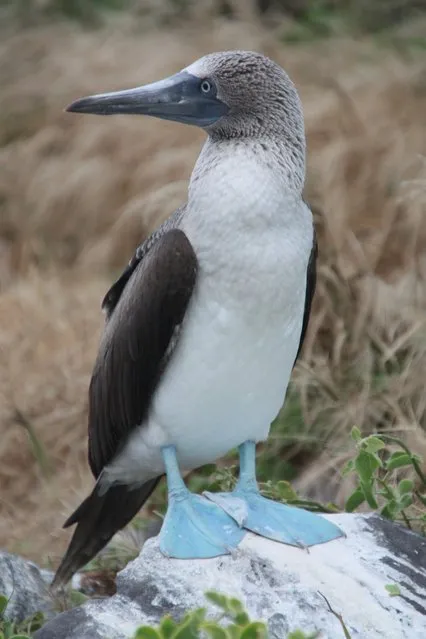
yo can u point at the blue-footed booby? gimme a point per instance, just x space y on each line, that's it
205 324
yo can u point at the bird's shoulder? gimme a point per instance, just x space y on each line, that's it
114 293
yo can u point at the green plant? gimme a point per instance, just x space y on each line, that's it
378 464
195 624
393 590
15 630
381 464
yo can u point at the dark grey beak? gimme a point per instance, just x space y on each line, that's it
178 98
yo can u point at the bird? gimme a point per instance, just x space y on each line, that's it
205 324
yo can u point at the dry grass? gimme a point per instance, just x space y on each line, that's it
77 194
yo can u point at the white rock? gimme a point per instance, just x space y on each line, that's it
279 584
24 585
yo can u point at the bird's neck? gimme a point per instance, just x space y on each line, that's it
243 188
275 155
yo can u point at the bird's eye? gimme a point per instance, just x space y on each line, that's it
206 86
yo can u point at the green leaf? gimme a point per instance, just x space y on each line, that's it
356 434
366 464
397 460
256 630
197 616
7 628
367 489
145 632
389 511
3 604
405 486
241 618
220 600
405 501
234 632
286 491
77 598
19 637
190 627
393 590
373 444
214 631
35 622
207 470
235 606
387 491
167 627
188 631
354 500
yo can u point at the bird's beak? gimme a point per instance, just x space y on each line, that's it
176 98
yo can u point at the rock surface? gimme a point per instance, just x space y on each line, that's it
23 583
279 584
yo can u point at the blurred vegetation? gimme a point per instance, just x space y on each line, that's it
18 630
76 195
195 625
232 622
312 18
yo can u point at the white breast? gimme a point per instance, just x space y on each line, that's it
229 373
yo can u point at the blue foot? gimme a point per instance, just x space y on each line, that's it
268 518
194 527
276 521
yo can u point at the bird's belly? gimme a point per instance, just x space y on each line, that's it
227 379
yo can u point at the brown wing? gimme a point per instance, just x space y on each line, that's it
311 281
142 319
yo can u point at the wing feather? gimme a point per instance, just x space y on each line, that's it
141 323
311 281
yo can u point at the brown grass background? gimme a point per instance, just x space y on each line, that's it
78 193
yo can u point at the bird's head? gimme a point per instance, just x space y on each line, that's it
230 94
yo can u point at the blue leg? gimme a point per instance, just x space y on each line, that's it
287 524
194 527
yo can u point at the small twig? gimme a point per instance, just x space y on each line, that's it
336 614
383 483
406 520
415 519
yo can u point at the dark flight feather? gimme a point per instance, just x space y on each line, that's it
136 339
98 518
311 282
147 305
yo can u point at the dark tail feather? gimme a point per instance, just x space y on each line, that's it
98 518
